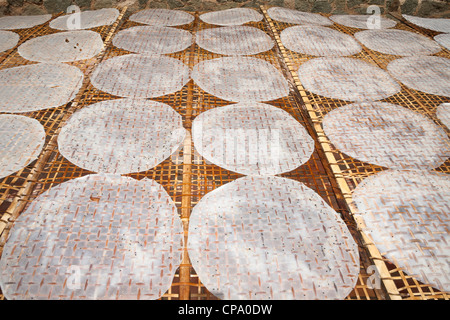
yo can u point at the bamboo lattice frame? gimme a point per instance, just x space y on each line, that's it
188 178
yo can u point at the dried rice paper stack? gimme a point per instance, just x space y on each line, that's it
231 17
102 237
407 215
297 17
271 238
87 19
319 41
121 136
387 135
62 47
235 40
153 40
23 22
8 40
162 17
21 142
38 86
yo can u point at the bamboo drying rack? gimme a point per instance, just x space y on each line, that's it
331 174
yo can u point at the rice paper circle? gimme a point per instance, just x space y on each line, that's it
62 47
231 17
140 76
240 79
435 24
102 237
407 215
443 114
235 40
362 21
38 86
121 136
397 42
259 238
346 79
297 17
87 19
21 142
23 22
428 74
443 39
8 40
162 17
252 139
150 39
387 135
319 41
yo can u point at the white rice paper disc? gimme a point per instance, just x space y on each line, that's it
271 238
21 142
162 17
387 135
397 42
346 79
435 24
38 86
235 40
23 22
363 21
443 114
252 138
8 40
140 76
407 215
240 79
87 19
319 41
62 47
297 17
121 136
150 39
429 74
443 39
231 17
102 237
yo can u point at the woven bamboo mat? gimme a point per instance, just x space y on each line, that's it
187 177
348 171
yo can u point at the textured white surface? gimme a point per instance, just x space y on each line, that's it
140 76
362 21
235 40
62 47
319 41
231 17
21 142
162 17
38 86
440 25
252 138
407 215
387 135
8 40
121 136
151 39
23 22
95 237
346 79
271 238
424 73
88 19
397 42
297 17
443 114
444 40
240 79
